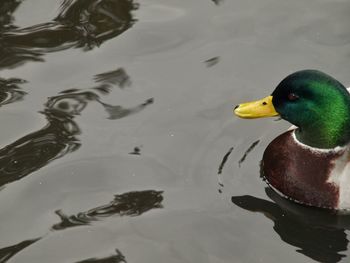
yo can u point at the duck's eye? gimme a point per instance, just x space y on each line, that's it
292 97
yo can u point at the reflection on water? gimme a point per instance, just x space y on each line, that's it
58 137
10 91
117 112
115 77
196 57
224 160
39 148
80 24
212 61
217 2
130 204
251 147
119 257
136 151
127 204
316 233
8 252
8 7
221 167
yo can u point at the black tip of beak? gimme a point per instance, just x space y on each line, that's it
236 107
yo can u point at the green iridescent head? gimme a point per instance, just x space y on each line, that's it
318 105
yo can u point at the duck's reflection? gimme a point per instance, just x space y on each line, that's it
117 258
59 136
80 24
316 233
127 204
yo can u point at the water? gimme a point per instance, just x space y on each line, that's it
118 142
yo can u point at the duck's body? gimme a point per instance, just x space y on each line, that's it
311 163
310 176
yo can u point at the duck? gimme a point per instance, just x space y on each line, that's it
310 162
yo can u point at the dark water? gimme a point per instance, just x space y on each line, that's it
118 142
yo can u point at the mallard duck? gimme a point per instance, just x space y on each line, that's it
310 163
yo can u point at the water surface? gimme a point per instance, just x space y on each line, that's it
118 142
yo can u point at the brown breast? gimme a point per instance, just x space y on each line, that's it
300 173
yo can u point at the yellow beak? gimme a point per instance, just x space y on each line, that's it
256 109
